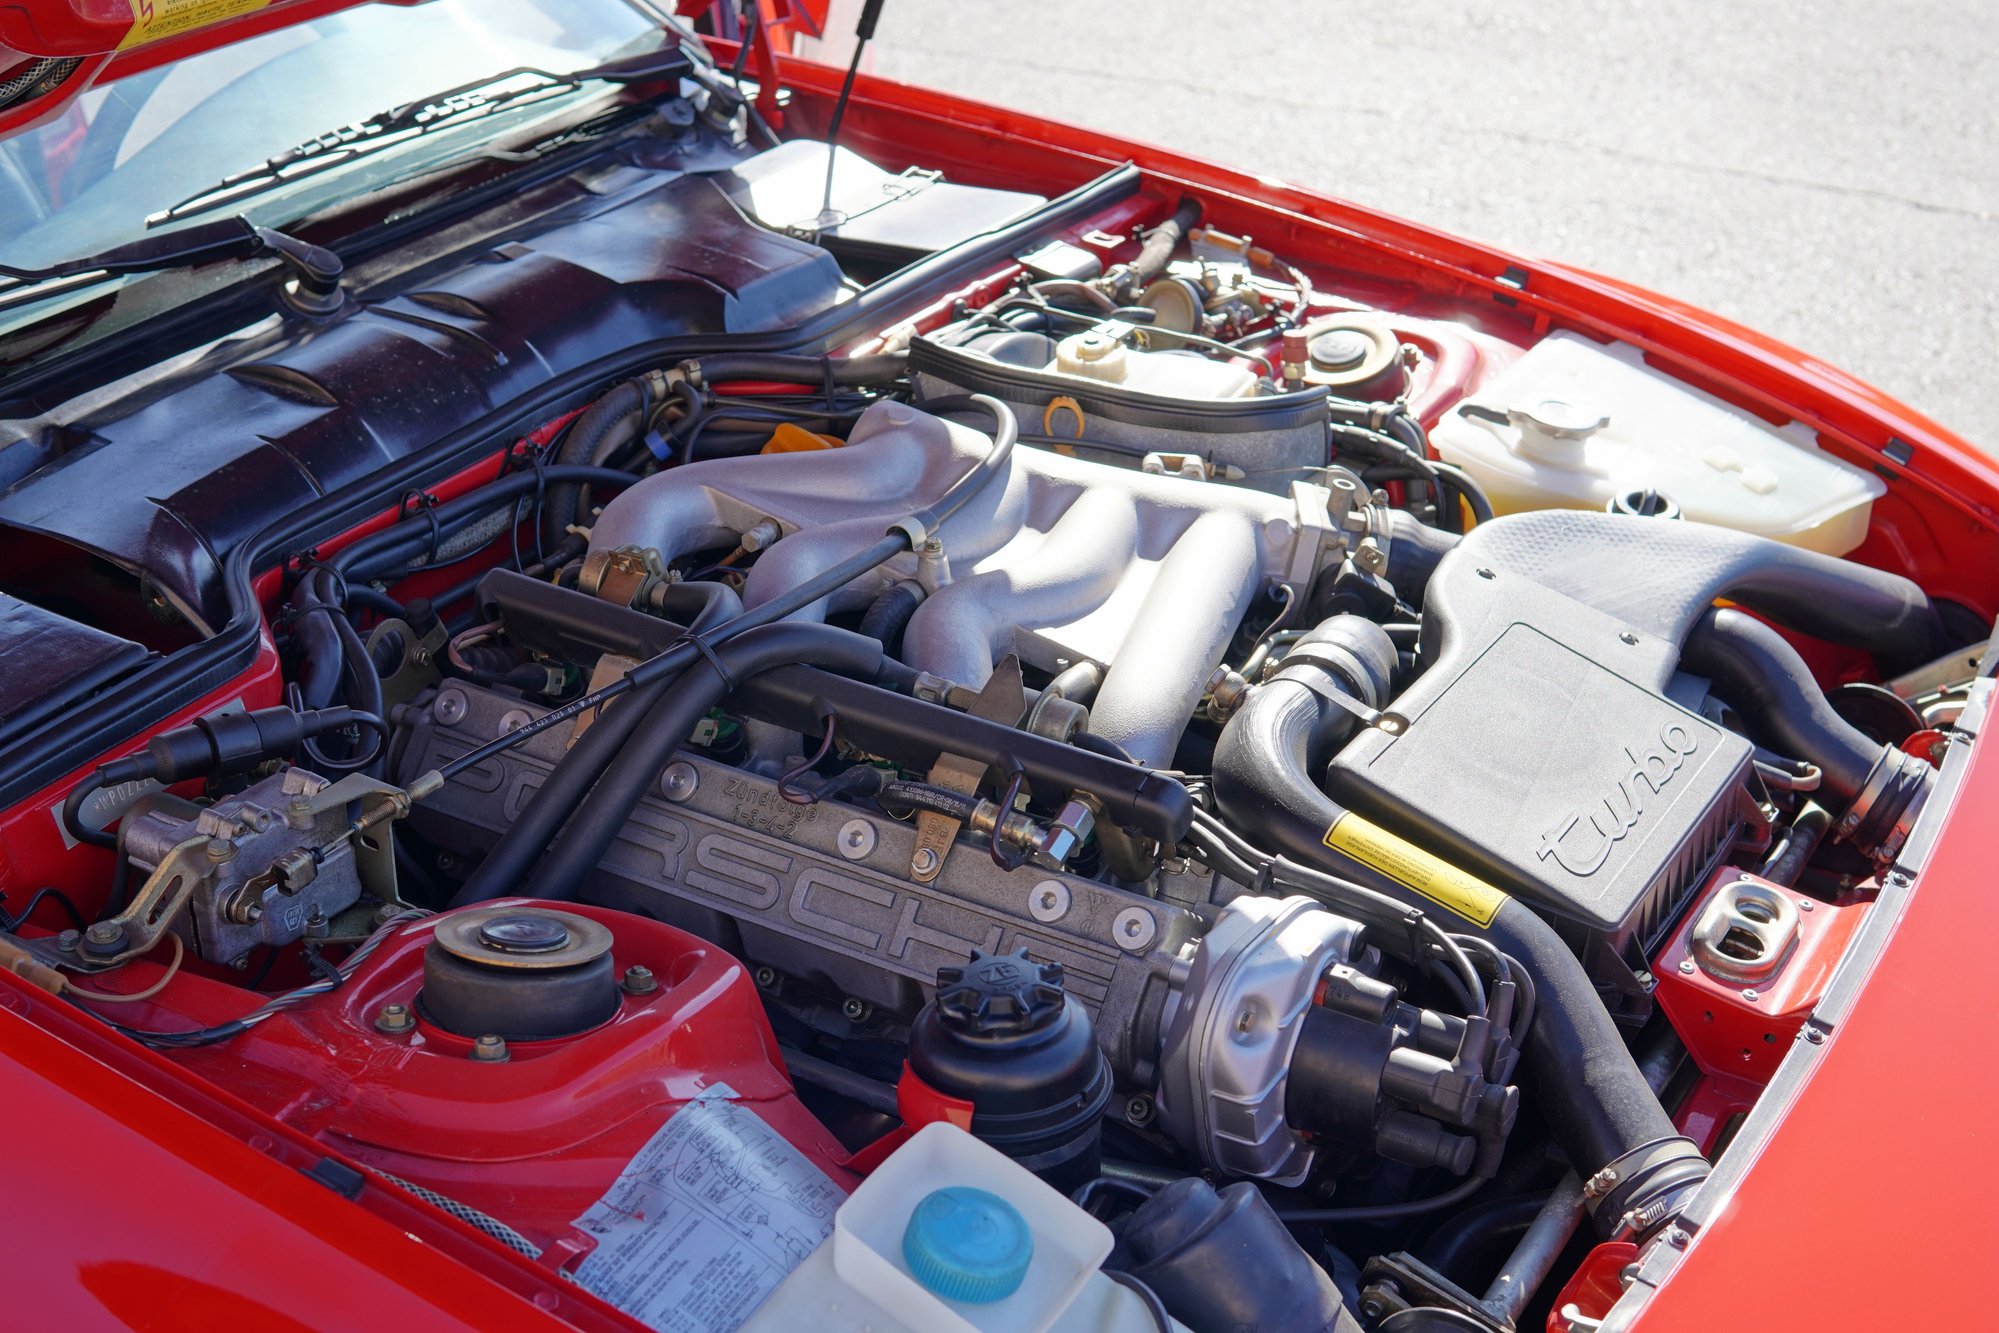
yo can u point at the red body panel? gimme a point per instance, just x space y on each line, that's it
568 1114
1889 1138
1742 1032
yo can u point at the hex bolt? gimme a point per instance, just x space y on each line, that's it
68 940
857 839
639 980
855 1008
104 938
680 781
450 707
490 1049
221 849
1133 930
1245 1020
394 1018
1048 901
924 863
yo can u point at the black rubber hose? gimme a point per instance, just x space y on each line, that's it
1763 679
1163 240
1054 289
587 442
1848 603
843 370
317 641
1595 1100
1476 1233
888 615
72 813
1006 433
700 606
590 832
387 551
1788 859
367 685
369 599
1414 549
528 836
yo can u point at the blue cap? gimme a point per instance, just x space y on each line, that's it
968 1245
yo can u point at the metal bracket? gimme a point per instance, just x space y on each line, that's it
1002 699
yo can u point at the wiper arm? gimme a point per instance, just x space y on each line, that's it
412 120
316 269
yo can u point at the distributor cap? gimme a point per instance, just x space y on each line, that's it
999 993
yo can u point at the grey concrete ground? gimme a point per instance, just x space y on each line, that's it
1826 173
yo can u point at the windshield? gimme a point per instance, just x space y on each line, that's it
87 180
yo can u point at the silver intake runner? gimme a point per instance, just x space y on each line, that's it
1063 560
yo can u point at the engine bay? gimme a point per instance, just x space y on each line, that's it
1278 763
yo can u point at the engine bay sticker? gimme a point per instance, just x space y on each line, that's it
1409 865
706 1220
154 19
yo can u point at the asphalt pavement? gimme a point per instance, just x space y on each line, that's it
1825 173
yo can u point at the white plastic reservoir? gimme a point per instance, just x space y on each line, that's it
862 1280
1572 425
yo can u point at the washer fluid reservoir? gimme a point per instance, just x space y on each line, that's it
1574 425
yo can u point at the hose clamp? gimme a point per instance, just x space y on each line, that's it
1882 814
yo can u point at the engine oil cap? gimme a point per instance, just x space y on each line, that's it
967 1244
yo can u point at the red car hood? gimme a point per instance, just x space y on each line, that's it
51 51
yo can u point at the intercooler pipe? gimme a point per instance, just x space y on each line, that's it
1598 1105
665 729
699 606
1877 787
1414 551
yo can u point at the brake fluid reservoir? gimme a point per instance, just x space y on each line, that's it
1574 425
1101 354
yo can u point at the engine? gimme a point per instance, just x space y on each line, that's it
1100 719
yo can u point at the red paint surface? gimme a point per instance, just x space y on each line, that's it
1728 1034
1891 1136
533 1141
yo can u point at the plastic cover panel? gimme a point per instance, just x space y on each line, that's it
169 480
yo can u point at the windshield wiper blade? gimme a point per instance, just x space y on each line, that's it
316 268
412 120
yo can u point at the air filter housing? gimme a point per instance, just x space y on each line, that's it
1564 783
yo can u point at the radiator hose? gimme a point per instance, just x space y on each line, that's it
1597 1103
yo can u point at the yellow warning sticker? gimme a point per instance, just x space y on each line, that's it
154 19
1409 865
